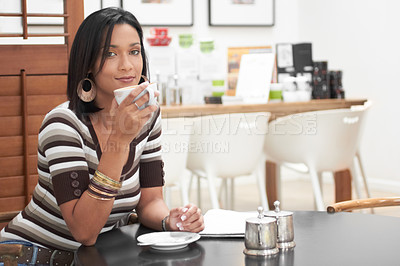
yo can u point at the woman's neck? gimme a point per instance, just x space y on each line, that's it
102 121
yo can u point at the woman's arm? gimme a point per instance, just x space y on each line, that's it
152 210
86 216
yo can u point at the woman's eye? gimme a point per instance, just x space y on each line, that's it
135 52
110 54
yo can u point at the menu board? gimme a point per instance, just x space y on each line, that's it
234 58
255 77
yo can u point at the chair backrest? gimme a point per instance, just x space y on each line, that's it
325 140
229 145
363 203
176 133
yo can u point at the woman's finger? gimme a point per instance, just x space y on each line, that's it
134 93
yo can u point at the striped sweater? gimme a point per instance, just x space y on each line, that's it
68 155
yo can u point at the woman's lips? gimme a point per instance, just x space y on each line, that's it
126 79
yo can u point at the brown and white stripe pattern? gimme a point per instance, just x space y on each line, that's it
68 155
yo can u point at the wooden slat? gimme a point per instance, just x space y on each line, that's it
10 86
42 104
10 105
37 59
32 144
12 204
50 15
33 181
37 104
24 19
2 225
34 123
46 84
25 133
14 185
11 146
10 126
11 166
74 10
34 35
32 164
36 85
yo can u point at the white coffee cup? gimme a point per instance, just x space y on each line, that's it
122 93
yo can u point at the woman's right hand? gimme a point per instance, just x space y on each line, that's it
128 120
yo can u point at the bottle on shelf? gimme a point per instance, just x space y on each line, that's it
212 69
187 68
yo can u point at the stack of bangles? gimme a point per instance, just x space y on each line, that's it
102 187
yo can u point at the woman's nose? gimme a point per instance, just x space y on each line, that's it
125 63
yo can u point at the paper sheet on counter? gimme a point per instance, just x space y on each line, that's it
225 223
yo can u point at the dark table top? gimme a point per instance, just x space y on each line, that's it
324 239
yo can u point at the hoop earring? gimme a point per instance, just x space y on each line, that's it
86 90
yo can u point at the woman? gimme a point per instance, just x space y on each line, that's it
99 161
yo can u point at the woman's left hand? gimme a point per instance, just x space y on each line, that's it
188 218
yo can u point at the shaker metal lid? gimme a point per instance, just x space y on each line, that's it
260 219
277 212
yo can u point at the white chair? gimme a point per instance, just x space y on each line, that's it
175 142
322 140
358 163
227 146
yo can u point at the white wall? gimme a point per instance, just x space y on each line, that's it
284 29
361 38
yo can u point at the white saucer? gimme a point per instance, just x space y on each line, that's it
168 240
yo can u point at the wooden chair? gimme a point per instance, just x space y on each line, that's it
363 203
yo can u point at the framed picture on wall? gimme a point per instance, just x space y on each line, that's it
241 12
161 12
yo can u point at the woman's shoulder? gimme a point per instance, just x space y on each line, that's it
64 115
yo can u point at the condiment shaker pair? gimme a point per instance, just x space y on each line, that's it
269 232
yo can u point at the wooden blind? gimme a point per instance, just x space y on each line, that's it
73 16
33 80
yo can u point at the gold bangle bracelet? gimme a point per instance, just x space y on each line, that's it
107 178
112 183
101 192
104 184
98 198
101 180
103 176
97 182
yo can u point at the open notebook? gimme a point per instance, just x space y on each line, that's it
225 223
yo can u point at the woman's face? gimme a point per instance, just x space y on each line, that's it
123 65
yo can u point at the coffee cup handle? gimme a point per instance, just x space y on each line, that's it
151 97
